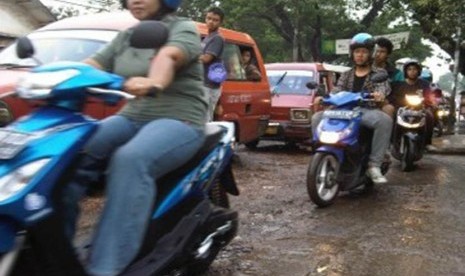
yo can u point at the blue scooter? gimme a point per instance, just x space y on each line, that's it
191 220
342 149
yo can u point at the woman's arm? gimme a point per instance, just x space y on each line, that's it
161 73
93 62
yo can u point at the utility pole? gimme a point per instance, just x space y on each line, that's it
452 115
295 45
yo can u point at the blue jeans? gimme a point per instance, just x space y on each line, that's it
140 153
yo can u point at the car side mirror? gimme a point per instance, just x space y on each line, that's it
149 34
24 48
312 85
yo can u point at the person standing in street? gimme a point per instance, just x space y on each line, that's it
212 45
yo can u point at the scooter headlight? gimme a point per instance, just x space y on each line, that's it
14 182
443 113
329 137
414 100
38 85
333 137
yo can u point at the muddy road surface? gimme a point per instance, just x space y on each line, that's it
414 225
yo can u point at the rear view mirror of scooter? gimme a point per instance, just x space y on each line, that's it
312 85
379 77
24 48
149 35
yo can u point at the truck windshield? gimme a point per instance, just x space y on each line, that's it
54 46
294 81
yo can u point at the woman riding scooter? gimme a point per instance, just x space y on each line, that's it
158 131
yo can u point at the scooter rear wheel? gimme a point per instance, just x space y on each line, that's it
322 185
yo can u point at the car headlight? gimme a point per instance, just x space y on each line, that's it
300 115
14 182
414 100
5 114
38 85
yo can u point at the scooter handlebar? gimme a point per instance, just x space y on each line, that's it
98 90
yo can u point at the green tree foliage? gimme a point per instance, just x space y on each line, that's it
64 12
439 20
287 30
69 10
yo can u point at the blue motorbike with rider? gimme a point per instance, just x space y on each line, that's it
351 137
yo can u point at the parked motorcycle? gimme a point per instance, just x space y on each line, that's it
191 220
341 159
408 143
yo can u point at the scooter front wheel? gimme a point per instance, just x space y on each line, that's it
408 155
322 185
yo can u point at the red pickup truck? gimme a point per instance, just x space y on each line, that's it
292 103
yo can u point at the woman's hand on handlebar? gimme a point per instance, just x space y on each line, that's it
138 86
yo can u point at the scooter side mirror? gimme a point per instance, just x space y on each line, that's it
149 34
312 85
379 77
24 48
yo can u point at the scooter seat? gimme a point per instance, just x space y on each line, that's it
213 134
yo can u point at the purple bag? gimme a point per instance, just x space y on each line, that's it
217 72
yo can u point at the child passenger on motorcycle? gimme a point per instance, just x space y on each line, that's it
358 79
413 84
157 132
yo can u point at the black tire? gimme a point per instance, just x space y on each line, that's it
252 145
408 157
321 176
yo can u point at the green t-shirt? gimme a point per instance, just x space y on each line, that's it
184 99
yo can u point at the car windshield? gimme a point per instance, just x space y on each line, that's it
290 81
70 45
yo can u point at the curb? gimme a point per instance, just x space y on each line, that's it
447 151
449 144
